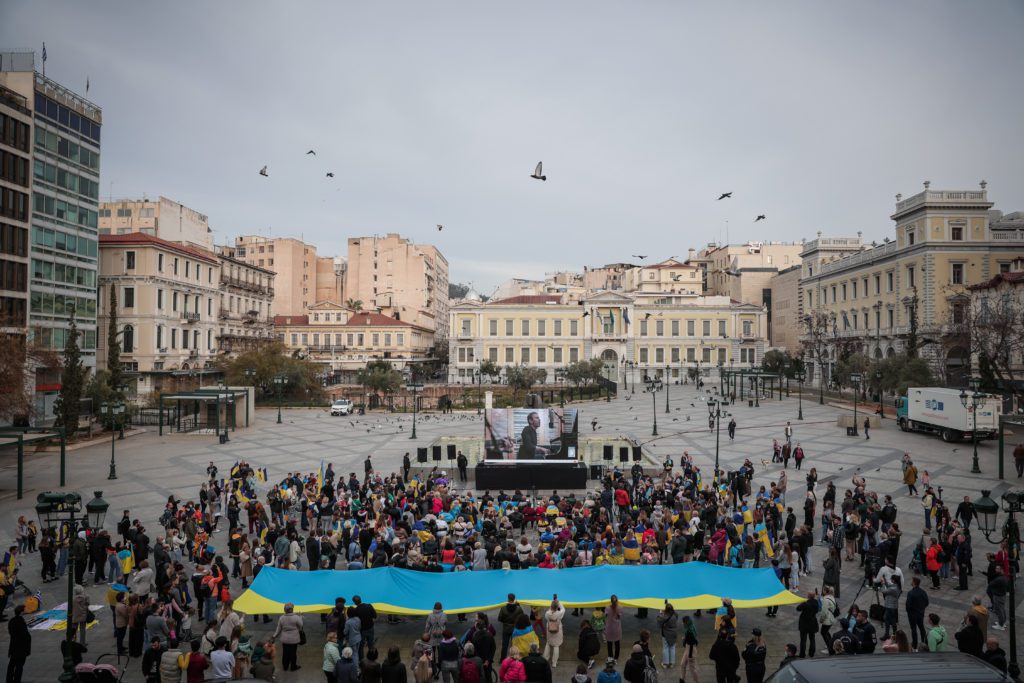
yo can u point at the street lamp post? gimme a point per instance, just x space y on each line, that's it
667 380
279 383
757 390
987 509
973 401
413 388
113 411
800 376
654 385
479 392
62 510
855 378
715 413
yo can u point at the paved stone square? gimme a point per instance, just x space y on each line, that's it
151 467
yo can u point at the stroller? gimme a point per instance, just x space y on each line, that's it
99 673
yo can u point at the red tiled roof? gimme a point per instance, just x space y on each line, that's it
291 320
529 299
367 319
140 238
1012 278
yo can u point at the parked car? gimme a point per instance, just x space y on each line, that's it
341 406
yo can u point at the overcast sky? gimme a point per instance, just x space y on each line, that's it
815 114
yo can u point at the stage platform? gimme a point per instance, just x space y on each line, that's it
524 475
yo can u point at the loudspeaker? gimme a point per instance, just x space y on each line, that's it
595 471
451 451
609 452
623 453
435 452
421 454
637 455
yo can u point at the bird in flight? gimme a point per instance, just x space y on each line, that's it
586 313
725 195
311 152
440 227
640 256
646 316
760 217
263 172
538 173
330 175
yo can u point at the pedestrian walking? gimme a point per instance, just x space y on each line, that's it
732 429
867 426
915 605
554 634
688 660
910 478
291 634
667 622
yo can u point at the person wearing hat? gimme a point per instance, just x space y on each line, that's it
608 674
754 655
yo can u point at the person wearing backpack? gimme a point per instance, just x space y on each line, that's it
668 622
933 560
471 667
554 635
636 665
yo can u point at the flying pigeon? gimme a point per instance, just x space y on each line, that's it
646 316
440 227
310 152
640 256
263 172
586 313
330 175
538 173
725 195
760 217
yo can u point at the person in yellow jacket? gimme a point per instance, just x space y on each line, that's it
524 635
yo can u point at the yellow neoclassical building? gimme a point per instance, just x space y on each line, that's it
946 241
655 333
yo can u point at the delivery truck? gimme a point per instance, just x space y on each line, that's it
940 410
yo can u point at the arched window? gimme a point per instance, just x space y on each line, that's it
128 339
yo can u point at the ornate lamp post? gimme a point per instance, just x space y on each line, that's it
988 509
112 411
972 401
62 510
715 412
667 382
280 381
855 378
654 385
413 388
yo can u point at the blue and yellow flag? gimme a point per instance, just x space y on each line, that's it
761 534
234 470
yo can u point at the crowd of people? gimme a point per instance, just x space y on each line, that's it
171 596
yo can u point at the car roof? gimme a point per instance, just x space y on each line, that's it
932 667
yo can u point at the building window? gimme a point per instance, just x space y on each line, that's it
129 297
957 310
643 355
891 317
691 355
844 291
878 284
160 299
574 328
305 339
911 280
510 356
721 328
399 339
509 328
128 339
721 352
556 355
524 354
675 328
707 355
958 274
889 281
706 328
911 236
387 340
558 328
466 327
295 339
376 339
675 354
542 355
957 233
159 337
542 328
659 328
174 337
175 269
690 328
129 260
748 328
659 355
574 354
492 328
643 328
492 354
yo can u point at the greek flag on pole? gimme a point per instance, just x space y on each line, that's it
44 52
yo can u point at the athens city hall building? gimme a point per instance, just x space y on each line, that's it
658 334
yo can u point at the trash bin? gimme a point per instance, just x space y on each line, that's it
851 431
750 403
223 438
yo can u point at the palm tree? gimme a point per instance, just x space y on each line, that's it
354 304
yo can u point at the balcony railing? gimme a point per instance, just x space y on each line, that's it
190 317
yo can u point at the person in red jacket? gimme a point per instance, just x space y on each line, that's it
932 563
622 501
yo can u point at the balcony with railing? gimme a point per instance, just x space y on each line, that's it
189 317
961 197
860 258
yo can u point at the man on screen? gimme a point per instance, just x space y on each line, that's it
528 448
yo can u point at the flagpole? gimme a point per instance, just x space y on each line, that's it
44 60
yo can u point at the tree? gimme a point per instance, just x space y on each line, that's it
776 362
899 372
380 378
847 365
115 374
489 368
269 362
457 290
912 342
991 327
72 381
584 372
19 359
820 330
522 377
354 304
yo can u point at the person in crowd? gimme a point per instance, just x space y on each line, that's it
754 655
290 634
726 657
937 640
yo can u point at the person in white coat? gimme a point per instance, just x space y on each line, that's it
553 631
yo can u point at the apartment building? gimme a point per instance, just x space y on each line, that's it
245 314
344 341
945 241
743 271
399 279
666 277
331 272
610 276
663 335
168 302
15 186
163 218
294 264
784 329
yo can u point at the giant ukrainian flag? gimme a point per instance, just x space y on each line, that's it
691 585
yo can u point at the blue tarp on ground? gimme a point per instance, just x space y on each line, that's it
691 585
